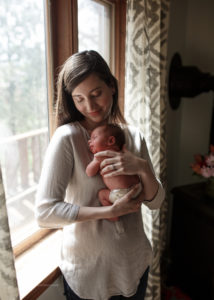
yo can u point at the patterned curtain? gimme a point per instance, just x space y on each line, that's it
145 106
8 282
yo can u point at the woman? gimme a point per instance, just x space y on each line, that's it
97 262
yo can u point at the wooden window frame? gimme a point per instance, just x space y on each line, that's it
120 37
37 291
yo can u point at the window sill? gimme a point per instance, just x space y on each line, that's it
37 268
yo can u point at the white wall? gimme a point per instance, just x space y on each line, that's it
191 34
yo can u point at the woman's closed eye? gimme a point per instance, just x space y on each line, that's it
78 99
96 94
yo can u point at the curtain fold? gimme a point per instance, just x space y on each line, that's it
145 106
8 282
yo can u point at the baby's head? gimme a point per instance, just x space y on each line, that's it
105 137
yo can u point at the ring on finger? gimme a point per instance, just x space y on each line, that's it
114 167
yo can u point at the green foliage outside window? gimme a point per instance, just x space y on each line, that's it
23 94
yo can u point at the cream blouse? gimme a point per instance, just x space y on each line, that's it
97 260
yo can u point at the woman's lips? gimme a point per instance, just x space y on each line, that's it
94 113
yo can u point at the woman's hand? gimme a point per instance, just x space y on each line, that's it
120 163
127 204
126 163
122 206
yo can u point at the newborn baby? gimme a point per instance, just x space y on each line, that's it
110 137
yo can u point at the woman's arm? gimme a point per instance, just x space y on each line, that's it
123 206
51 211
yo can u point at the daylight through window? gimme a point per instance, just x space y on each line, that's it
23 109
96 27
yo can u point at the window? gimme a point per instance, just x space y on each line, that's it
23 110
23 107
96 28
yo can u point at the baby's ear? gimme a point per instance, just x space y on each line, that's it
111 140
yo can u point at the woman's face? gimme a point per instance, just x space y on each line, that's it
93 98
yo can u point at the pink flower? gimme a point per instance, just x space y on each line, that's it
207 172
210 160
204 165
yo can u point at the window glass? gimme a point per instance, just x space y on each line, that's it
95 28
23 109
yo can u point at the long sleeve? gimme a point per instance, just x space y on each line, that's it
136 143
51 209
156 202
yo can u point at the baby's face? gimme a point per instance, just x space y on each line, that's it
98 140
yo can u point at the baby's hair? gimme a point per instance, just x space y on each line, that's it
118 133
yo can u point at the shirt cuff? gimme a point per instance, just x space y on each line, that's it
76 209
157 200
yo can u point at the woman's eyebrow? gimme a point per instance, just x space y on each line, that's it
91 91
76 95
97 88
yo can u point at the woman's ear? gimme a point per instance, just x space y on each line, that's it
111 140
112 86
113 90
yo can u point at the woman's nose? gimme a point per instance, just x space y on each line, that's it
90 105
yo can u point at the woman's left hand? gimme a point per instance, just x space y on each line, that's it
120 163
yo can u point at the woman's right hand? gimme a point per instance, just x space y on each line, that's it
127 204
122 206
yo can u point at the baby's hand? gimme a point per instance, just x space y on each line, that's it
93 168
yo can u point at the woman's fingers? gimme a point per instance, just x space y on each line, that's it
111 162
111 170
108 162
119 163
127 204
107 153
133 190
136 202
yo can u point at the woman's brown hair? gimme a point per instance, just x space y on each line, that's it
77 68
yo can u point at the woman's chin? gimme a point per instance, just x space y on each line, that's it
97 121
